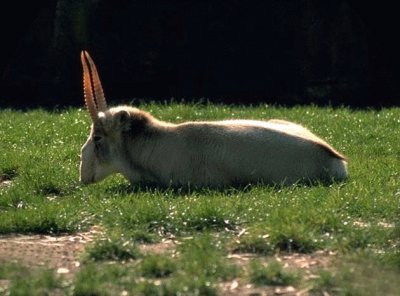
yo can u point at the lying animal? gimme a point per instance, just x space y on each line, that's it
218 154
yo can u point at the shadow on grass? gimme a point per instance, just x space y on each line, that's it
178 191
8 173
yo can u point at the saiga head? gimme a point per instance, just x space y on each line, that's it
100 155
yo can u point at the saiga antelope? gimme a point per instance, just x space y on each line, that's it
211 154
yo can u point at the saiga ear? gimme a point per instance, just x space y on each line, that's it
123 120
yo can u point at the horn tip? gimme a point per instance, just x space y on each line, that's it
86 54
82 55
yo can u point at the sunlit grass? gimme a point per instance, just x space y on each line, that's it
25 281
272 274
39 163
114 248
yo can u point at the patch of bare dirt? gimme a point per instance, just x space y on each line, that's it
4 183
236 288
61 253
165 246
318 259
309 264
383 224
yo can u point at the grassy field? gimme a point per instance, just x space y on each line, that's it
357 221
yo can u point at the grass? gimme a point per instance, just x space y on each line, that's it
157 266
358 276
196 270
112 249
272 274
27 281
39 156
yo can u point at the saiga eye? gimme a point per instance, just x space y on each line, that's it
97 138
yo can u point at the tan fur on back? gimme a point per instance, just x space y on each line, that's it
296 130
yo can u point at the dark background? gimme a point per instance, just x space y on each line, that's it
339 52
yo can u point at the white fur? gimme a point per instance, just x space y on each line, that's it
207 154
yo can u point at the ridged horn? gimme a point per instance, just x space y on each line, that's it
98 89
88 90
